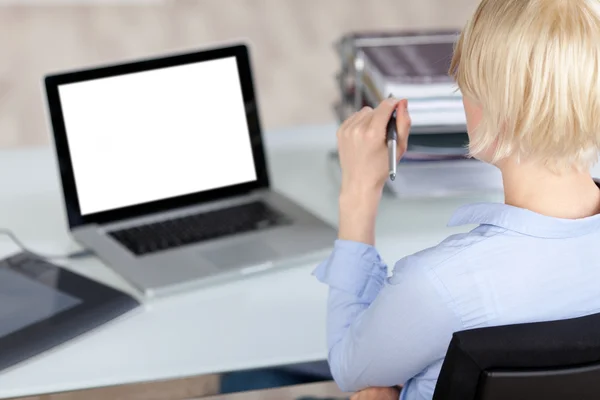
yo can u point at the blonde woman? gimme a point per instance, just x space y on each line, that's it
529 71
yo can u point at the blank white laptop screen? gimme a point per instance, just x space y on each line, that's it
158 134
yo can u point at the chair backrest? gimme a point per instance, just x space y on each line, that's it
554 360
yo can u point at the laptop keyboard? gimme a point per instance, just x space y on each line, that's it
180 231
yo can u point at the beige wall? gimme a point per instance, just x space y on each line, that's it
292 39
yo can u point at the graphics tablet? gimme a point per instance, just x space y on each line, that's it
43 306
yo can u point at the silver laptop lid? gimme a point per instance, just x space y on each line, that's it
144 137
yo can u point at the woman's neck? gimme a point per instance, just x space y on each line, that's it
569 195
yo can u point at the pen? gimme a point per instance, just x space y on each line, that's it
391 138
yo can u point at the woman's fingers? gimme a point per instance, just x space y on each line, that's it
403 123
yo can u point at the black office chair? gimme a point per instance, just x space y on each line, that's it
558 360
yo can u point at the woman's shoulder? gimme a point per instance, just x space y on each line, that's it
455 268
455 248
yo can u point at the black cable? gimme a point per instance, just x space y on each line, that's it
15 239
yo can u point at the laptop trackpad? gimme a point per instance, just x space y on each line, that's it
239 255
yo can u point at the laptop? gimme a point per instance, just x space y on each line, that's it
164 174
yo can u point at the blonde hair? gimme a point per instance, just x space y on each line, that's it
534 68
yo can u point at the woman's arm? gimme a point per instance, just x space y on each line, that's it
364 163
381 332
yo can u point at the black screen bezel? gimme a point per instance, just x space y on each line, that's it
69 187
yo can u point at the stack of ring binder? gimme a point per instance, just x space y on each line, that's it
415 65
